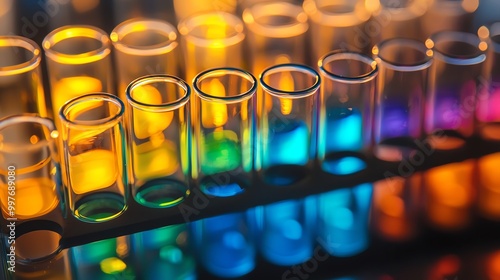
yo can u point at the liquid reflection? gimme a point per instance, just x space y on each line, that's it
343 220
224 244
286 231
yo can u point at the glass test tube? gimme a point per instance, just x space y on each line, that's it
143 47
94 156
158 130
400 98
398 19
276 34
340 24
30 181
288 122
78 62
223 121
454 83
21 88
346 106
211 40
343 220
449 15
488 99
54 267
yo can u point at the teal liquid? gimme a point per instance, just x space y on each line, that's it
287 154
343 141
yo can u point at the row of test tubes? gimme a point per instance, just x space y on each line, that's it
277 118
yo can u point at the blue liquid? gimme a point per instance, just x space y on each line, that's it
286 236
343 133
225 248
288 145
343 220
344 130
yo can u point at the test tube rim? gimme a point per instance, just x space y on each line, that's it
291 94
367 77
464 37
102 123
185 31
34 119
226 99
100 35
25 66
123 29
335 20
164 107
406 42
295 29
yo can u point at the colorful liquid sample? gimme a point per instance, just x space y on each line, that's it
34 197
342 141
343 220
224 245
96 204
286 153
286 237
488 113
221 158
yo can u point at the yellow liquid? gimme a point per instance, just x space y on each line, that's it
93 170
153 161
68 88
146 123
34 197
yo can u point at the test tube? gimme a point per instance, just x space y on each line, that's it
455 81
339 24
21 86
211 40
346 111
223 121
399 102
78 62
30 177
449 15
398 19
158 130
94 145
288 122
488 99
144 46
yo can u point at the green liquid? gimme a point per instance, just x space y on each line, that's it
99 207
162 193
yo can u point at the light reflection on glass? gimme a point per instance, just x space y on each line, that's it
103 259
286 237
163 254
449 194
395 207
224 244
343 220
